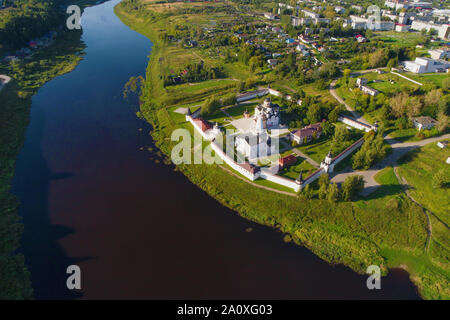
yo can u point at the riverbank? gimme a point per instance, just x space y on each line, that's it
28 76
385 229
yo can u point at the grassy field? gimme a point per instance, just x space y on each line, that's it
402 39
418 168
293 171
385 229
435 78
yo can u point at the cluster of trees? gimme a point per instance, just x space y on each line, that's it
195 72
211 105
373 150
343 138
306 70
26 20
310 111
350 189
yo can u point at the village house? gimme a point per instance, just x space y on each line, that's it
272 62
362 85
400 27
442 144
308 133
4 80
270 16
424 122
368 90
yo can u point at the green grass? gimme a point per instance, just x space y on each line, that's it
273 185
435 78
402 39
418 168
293 171
317 150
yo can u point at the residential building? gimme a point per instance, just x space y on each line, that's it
442 144
424 122
439 54
270 16
443 30
426 65
370 91
399 27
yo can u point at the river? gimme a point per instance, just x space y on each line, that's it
91 194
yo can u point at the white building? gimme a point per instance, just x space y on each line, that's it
443 30
254 144
439 54
311 14
339 9
399 27
368 90
425 65
362 23
270 16
269 113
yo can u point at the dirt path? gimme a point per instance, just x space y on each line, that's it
355 114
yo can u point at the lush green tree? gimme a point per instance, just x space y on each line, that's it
333 192
352 186
324 181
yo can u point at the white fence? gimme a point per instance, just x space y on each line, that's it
355 124
266 174
229 161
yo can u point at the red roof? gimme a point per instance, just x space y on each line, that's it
308 131
290 159
204 125
249 167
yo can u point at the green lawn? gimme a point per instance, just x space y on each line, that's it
418 168
435 78
293 171
403 39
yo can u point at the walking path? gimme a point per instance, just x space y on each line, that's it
299 153
355 114
409 79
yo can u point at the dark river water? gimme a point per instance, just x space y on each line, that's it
91 196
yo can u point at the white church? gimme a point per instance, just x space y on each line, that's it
256 143
269 112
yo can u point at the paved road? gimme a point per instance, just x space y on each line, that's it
398 150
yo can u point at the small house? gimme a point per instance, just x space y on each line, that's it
424 122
